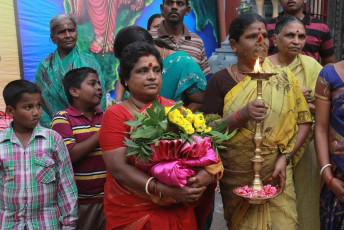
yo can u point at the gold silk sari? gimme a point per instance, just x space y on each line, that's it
306 70
287 109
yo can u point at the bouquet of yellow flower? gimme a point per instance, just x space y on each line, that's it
169 141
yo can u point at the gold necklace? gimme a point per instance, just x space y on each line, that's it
133 105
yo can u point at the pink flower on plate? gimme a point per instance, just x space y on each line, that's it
268 191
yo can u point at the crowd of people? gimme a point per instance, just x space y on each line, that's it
64 163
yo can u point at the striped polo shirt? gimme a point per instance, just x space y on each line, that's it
318 41
190 43
90 173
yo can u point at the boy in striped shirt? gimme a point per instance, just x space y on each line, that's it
78 125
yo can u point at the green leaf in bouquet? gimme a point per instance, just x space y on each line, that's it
159 131
130 143
163 124
162 115
133 123
221 147
145 155
132 151
219 126
157 106
218 135
150 122
190 140
146 132
139 116
152 114
184 137
184 113
208 119
231 134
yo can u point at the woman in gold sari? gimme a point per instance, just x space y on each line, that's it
286 126
290 38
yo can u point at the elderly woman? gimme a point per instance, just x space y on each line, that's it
290 38
281 139
126 204
329 139
183 79
52 70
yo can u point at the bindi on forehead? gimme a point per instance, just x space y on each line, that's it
150 64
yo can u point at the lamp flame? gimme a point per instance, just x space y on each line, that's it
257 68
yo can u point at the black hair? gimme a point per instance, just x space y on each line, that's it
240 23
186 1
14 90
285 21
151 19
74 79
131 34
130 56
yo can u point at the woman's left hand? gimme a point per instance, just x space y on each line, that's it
307 94
201 179
280 171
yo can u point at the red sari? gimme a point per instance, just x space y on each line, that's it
126 208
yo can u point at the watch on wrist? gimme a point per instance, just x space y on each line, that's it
287 158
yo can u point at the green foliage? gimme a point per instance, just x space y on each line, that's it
154 125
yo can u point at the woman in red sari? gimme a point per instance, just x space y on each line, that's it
127 200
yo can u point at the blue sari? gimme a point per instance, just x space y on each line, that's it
330 87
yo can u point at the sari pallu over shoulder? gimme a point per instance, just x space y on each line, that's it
286 109
181 77
49 75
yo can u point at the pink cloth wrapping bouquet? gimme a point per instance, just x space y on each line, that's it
172 160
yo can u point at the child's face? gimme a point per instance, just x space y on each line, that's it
27 112
90 92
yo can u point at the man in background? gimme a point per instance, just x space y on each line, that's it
173 32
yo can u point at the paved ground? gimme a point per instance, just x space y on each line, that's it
219 222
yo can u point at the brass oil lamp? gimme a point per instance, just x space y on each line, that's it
257 160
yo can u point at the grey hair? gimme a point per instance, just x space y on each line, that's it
285 21
57 19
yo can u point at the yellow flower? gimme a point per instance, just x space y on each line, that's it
179 122
172 117
167 109
199 116
189 130
199 123
190 117
185 123
207 130
188 111
199 129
